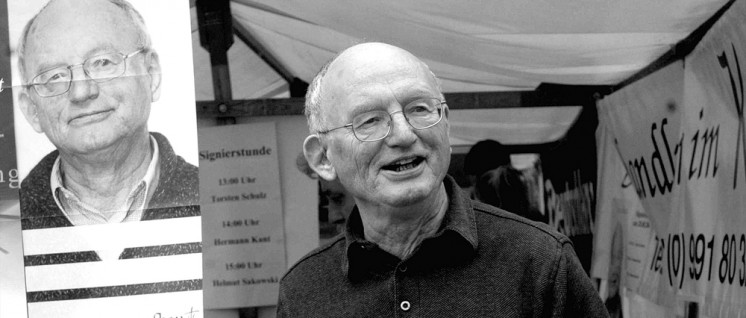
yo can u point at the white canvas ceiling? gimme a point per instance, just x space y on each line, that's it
473 46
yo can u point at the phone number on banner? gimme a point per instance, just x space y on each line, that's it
698 257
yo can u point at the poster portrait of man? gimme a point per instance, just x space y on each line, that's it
107 151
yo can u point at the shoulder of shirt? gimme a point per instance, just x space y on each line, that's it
37 181
316 253
518 223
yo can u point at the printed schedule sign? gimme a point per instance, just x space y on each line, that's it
680 133
242 225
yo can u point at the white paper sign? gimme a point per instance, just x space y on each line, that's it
242 224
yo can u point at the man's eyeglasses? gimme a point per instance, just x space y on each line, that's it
376 125
99 68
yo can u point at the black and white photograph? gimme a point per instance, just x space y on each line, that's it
323 158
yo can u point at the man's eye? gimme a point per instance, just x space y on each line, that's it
368 121
419 109
102 63
371 121
54 77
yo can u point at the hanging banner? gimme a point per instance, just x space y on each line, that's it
681 135
569 173
624 240
243 231
109 202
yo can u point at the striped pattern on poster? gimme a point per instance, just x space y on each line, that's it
160 262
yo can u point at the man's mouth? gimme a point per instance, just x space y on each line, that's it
404 164
90 117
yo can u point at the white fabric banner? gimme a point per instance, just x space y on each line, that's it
624 241
680 133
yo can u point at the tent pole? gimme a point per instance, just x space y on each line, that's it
216 35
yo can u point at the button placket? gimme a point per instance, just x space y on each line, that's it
403 296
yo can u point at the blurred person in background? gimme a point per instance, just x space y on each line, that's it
483 156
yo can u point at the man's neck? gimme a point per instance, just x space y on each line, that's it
104 179
400 230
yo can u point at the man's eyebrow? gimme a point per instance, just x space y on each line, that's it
366 107
418 93
107 48
46 65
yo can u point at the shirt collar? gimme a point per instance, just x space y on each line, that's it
455 241
149 181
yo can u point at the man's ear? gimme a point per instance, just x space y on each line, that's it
315 154
153 66
30 110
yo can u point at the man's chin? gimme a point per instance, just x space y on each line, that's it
90 143
407 193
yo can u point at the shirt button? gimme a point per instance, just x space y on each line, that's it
403 268
405 305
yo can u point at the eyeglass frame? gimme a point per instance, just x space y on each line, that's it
391 119
81 65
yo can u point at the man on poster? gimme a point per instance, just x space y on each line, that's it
90 77
415 244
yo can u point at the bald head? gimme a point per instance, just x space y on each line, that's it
118 13
357 66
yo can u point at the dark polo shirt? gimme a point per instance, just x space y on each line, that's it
482 262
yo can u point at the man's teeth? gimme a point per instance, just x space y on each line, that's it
404 165
406 161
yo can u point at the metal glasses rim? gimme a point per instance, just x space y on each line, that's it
442 102
69 68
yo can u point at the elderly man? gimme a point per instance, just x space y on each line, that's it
90 76
416 244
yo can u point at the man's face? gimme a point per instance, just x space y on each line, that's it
408 165
90 116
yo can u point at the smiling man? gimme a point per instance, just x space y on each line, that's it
90 76
415 244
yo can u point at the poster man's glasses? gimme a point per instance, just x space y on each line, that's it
99 68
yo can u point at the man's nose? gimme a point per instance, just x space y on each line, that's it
402 133
82 88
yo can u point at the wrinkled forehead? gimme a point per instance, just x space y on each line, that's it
75 27
368 70
375 61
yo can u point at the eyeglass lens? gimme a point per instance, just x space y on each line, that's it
99 68
374 125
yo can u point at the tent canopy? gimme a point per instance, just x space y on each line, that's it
473 46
